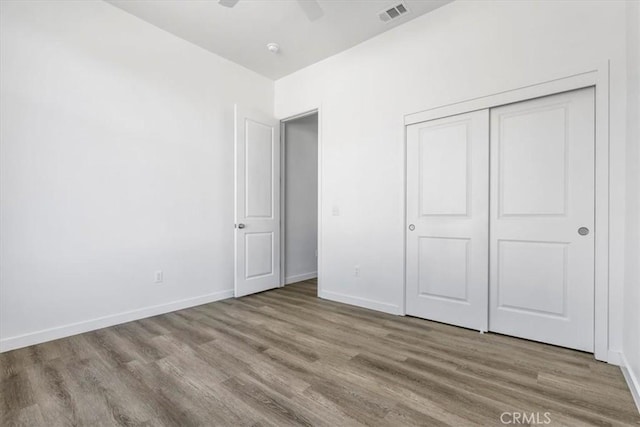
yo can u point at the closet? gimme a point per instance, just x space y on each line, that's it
500 219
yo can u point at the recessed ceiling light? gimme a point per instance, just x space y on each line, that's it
273 47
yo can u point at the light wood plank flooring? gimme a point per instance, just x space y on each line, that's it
285 357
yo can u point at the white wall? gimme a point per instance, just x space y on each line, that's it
631 346
461 51
117 160
301 201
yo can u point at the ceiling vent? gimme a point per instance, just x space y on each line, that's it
393 12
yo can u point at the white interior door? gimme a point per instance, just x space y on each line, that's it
447 217
257 188
542 194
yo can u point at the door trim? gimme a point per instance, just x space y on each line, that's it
597 76
283 121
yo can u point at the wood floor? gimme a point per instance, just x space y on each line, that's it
285 357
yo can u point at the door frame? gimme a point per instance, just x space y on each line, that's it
283 194
596 76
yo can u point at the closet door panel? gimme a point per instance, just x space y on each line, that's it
447 219
542 219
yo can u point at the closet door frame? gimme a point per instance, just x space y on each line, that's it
596 76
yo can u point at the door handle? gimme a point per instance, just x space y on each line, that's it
240 225
412 227
583 231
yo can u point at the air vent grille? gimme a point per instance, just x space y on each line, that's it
393 12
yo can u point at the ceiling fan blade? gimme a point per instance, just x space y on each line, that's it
311 8
228 3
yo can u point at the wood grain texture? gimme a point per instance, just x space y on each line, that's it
285 357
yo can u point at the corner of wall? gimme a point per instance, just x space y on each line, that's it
633 380
630 356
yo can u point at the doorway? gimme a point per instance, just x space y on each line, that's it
299 202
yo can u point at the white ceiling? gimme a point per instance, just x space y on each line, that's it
241 33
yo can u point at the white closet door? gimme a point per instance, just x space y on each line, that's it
447 216
542 219
257 186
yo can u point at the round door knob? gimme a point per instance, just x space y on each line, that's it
583 231
241 225
412 227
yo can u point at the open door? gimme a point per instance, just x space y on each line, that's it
257 194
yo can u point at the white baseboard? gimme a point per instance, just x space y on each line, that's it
57 332
633 380
614 358
300 277
361 302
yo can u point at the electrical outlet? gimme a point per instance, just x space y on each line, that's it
356 271
159 276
